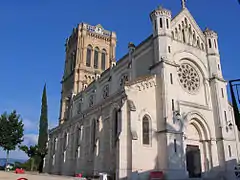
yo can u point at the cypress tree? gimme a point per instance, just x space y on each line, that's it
43 130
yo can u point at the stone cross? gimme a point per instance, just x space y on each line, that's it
184 4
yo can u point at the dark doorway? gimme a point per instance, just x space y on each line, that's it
193 158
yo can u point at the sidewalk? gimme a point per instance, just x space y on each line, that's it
12 176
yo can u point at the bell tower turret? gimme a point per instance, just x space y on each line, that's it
161 23
213 53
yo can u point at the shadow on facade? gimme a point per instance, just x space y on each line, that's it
178 172
177 168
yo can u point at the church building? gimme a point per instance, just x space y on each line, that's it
160 110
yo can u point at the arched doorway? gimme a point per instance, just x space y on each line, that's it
197 147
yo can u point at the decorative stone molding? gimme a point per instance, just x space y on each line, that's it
160 11
105 92
210 33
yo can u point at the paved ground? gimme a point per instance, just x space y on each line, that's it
13 176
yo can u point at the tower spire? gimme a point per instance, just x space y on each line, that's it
183 4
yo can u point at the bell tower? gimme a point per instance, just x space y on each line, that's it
90 50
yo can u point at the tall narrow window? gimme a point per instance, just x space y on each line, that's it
65 141
115 127
64 156
202 46
173 105
53 160
78 151
73 63
77 140
209 43
103 60
89 56
222 92
81 133
93 134
175 145
146 130
171 79
225 116
229 151
183 36
169 49
161 23
167 22
96 58
198 42
215 43
155 24
55 144
218 67
116 123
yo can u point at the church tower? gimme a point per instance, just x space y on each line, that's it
89 51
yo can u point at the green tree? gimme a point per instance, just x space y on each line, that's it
11 131
32 152
43 130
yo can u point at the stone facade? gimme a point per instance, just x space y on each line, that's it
162 107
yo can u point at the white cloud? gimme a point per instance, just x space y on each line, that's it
29 140
30 125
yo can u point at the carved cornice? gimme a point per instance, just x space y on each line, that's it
142 83
165 61
160 11
89 112
210 33
195 105
216 77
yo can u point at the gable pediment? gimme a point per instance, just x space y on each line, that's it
193 34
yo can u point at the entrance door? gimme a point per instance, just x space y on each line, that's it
193 158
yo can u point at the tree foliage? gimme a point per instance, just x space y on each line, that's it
32 153
11 131
43 129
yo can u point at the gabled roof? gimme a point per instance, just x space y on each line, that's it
180 17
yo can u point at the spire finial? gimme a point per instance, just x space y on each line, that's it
183 4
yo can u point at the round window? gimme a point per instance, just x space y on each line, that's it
188 77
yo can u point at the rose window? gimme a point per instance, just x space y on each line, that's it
188 77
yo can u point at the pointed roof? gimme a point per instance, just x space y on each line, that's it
185 13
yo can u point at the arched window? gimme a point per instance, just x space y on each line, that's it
215 43
167 21
93 134
146 130
65 141
202 46
209 43
96 51
198 42
89 56
172 34
183 36
77 141
116 126
103 60
73 61
161 23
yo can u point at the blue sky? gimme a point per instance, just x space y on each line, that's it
33 33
